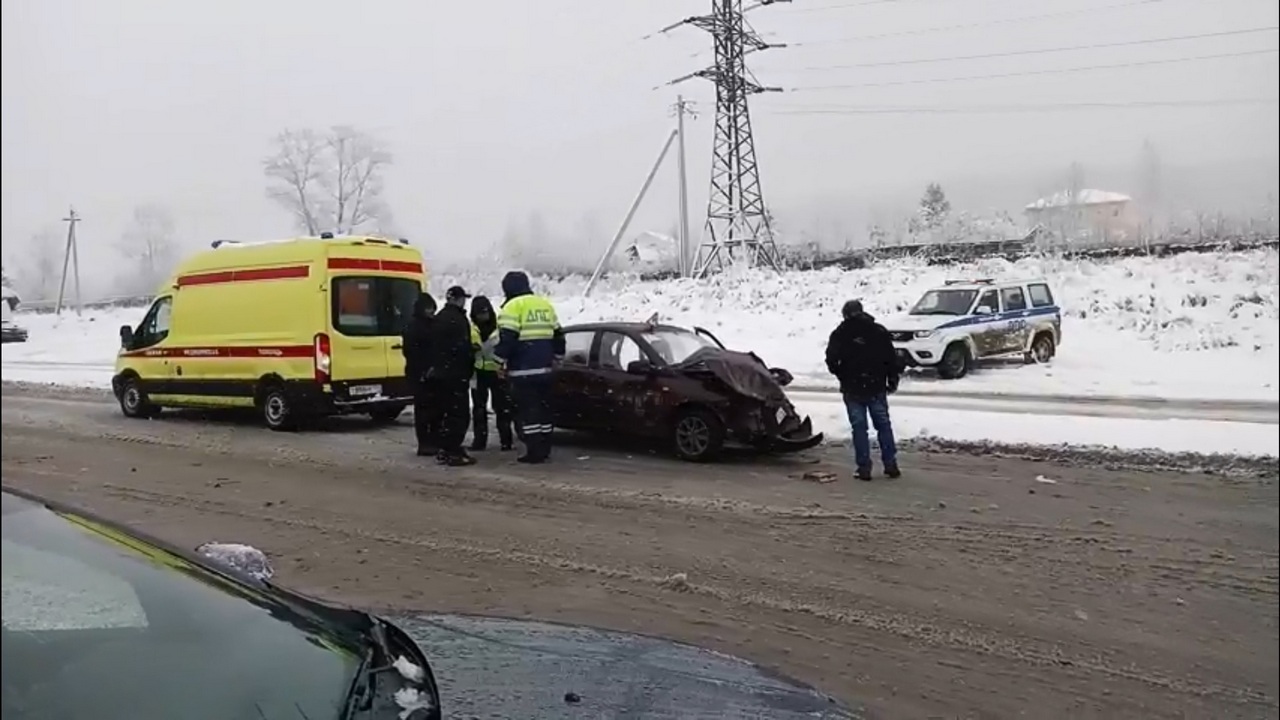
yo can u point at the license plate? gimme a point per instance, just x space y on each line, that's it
782 414
364 390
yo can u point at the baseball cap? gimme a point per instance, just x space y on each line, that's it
457 292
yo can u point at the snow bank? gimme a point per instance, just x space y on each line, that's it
1187 326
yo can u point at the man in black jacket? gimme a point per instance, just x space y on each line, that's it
415 343
860 354
452 365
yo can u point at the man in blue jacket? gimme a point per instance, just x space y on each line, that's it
530 345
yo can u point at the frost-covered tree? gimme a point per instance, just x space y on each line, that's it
329 181
39 265
150 244
934 208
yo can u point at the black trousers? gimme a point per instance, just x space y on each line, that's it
427 414
456 415
487 385
532 395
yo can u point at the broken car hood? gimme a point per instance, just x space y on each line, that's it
743 372
491 667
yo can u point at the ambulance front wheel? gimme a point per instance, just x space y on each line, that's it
134 402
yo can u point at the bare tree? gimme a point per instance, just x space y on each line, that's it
330 181
148 242
39 265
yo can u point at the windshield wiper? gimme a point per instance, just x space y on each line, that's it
363 687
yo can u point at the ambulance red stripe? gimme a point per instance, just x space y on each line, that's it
203 352
374 264
286 272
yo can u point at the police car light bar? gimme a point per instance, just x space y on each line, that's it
979 281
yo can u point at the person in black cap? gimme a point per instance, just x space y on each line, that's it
860 354
416 346
453 362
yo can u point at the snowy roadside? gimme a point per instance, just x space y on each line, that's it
1190 326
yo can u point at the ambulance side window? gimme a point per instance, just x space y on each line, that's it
154 328
355 306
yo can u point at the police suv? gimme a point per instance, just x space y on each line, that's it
967 320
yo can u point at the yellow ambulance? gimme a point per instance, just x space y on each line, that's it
296 329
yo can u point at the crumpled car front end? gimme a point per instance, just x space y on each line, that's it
759 413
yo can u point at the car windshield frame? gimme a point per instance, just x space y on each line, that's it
946 301
682 344
154 624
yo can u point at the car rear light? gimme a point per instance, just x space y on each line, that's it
323 360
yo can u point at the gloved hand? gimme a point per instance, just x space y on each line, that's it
892 385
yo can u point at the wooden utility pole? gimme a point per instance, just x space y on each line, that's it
70 256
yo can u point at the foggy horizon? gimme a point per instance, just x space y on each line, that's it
500 111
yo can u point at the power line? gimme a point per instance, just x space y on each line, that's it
1029 73
1042 51
843 6
970 26
1018 108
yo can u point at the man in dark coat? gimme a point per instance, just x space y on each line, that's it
860 354
453 363
415 343
487 383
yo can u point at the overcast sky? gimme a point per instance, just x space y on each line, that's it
495 108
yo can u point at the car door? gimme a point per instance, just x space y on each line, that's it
572 381
623 401
988 337
149 354
1016 333
398 296
359 349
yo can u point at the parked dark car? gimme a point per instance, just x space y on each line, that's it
674 385
10 332
102 623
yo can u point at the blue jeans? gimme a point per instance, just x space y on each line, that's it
878 408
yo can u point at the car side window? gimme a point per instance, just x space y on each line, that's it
577 348
155 326
617 351
1014 299
990 300
1040 295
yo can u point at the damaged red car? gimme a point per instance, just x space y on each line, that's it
676 386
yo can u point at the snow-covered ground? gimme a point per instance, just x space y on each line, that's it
1189 326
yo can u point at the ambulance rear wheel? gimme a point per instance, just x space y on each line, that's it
387 414
277 409
134 402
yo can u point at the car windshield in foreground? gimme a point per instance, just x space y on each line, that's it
101 625
945 302
676 346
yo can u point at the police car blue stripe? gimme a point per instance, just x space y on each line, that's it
999 317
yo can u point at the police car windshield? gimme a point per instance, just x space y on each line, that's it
676 346
945 302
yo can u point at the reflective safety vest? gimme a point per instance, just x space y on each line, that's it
485 359
527 329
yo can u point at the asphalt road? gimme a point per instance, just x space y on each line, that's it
973 587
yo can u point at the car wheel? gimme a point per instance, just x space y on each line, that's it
1042 349
698 435
277 410
134 402
956 362
386 414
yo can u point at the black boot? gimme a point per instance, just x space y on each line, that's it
891 471
458 458
863 474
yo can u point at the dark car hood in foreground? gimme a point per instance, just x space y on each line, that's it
741 371
507 668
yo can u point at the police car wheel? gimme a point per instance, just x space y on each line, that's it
698 435
1042 349
956 362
